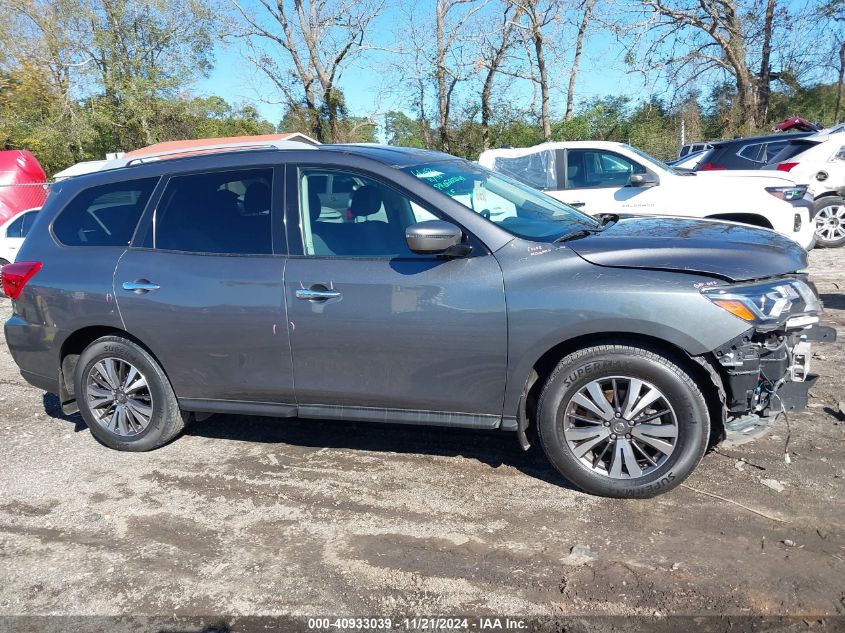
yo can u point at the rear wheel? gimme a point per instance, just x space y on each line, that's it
621 421
830 221
125 397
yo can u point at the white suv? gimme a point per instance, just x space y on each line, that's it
13 232
820 161
604 177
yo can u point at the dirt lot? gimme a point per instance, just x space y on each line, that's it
265 516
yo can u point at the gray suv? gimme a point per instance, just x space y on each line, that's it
436 292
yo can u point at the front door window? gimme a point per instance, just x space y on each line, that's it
589 168
368 222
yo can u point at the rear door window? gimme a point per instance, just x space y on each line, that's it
792 149
772 150
218 212
105 215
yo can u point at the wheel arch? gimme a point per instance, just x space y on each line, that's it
702 369
73 346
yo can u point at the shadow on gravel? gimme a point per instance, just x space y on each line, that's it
835 413
494 448
835 301
53 408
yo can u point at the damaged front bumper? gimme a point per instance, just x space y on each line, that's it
768 372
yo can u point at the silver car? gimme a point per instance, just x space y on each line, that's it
155 292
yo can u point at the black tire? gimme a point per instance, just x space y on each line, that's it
679 389
825 207
166 420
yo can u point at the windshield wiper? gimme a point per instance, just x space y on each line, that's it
574 235
605 220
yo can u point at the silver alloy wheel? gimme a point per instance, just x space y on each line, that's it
119 397
830 222
620 427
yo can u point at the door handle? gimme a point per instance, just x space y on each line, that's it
577 205
316 294
140 286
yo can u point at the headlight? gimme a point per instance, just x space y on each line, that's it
765 303
788 193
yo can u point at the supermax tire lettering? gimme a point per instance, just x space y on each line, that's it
657 485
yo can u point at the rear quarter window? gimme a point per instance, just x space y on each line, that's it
752 152
105 215
537 170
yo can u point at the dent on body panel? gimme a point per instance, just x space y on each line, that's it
421 334
558 296
65 297
79 295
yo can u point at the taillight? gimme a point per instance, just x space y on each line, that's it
15 277
711 167
786 166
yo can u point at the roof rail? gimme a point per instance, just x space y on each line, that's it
126 161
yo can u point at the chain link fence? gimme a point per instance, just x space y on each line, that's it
17 197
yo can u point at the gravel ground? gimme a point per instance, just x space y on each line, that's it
248 516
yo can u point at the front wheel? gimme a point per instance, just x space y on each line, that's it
622 421
125 397
829 219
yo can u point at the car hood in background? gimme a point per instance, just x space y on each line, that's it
723 249
761 178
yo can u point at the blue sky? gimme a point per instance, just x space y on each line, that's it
236 80
602 69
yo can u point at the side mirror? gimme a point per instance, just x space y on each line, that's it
434 237
642 180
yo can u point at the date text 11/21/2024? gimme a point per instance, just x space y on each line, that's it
419 624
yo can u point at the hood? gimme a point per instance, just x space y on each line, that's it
759 177
736 252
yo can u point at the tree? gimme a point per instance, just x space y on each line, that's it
303 47
833 13
139 52
450 60
689 38
538 16
583 25
402 130
118 57
494 53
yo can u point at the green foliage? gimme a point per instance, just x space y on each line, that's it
331 122
817 104
402 130
33 116
517 133
80 78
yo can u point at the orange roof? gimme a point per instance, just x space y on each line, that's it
169 146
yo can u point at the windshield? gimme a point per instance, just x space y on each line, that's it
652 160
515 207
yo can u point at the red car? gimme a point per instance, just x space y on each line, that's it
23 183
